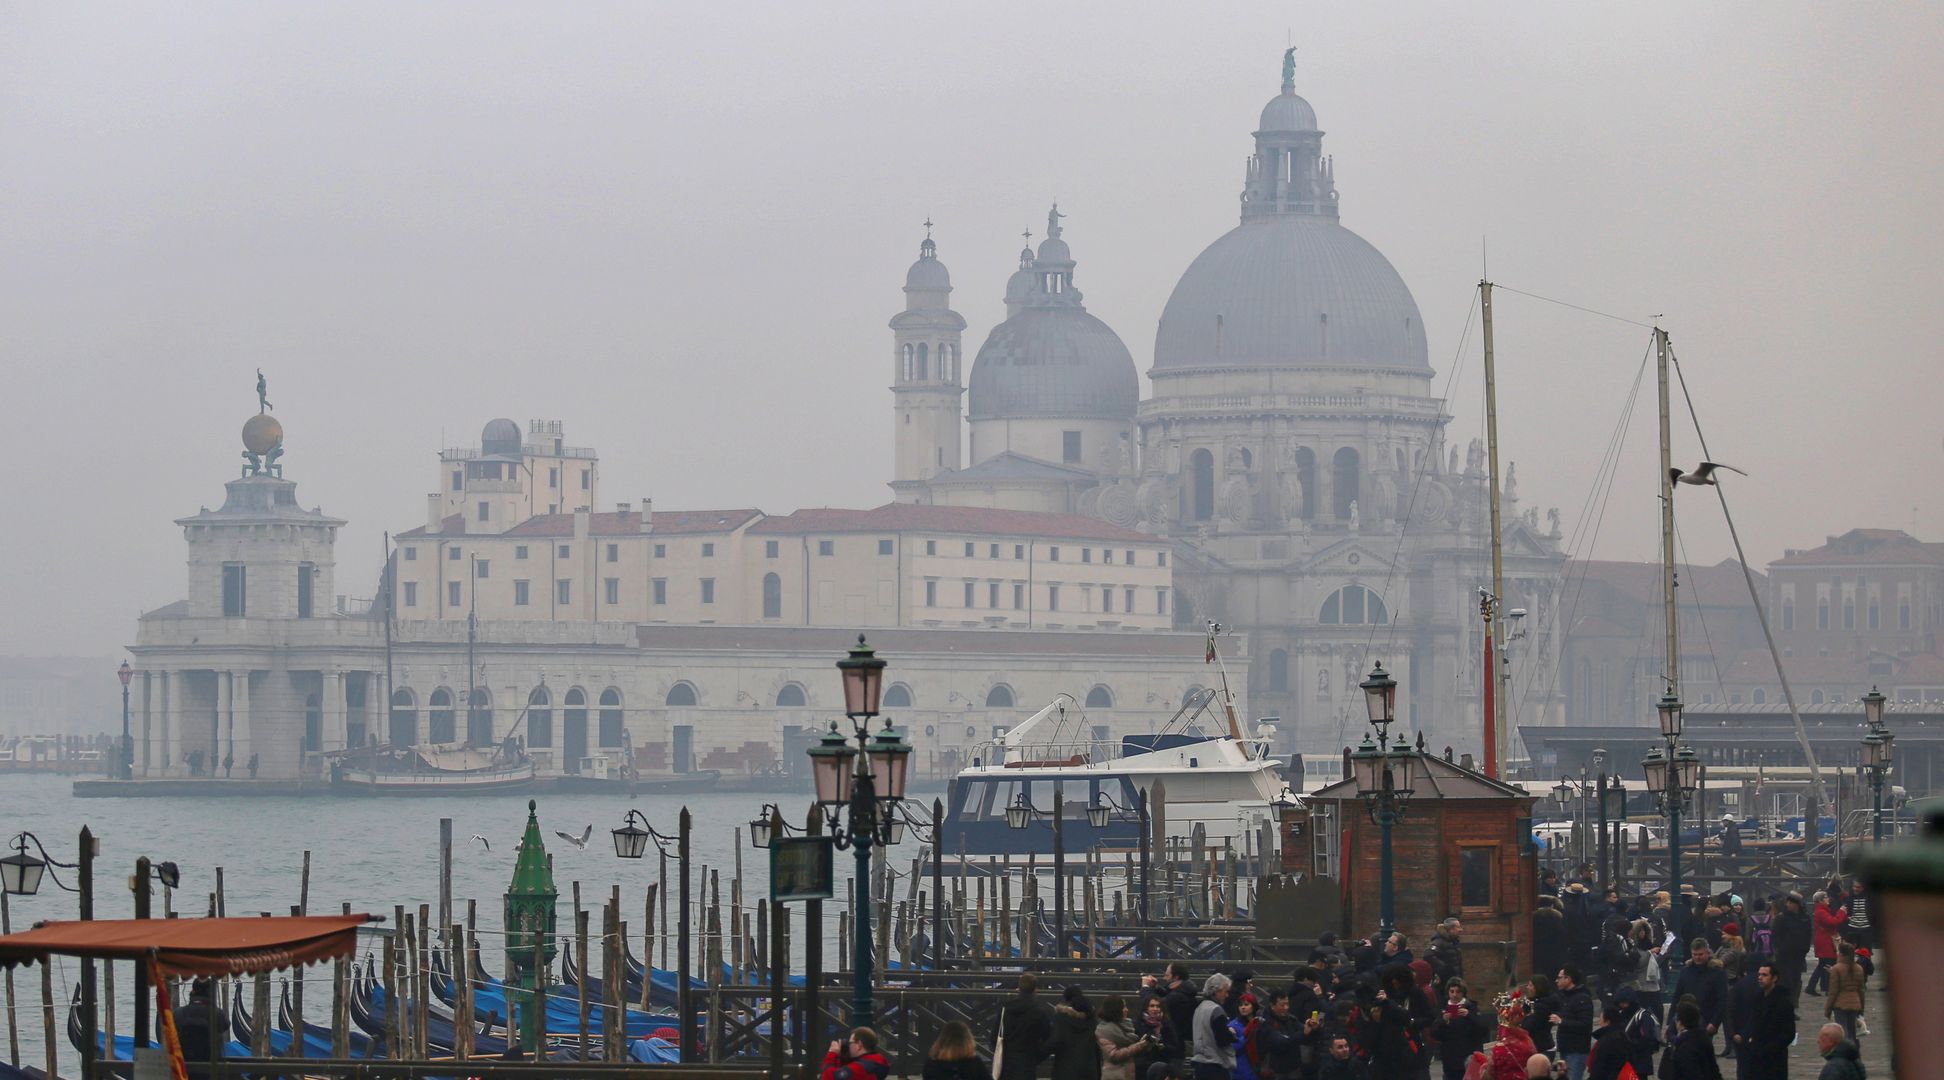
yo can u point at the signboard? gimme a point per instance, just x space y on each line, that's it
1616 803
801 868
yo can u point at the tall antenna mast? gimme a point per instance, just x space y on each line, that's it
1672 673
1497 745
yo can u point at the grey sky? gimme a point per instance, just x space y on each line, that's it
681 230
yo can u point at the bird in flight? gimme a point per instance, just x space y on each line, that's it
488 844
578 841
1703 474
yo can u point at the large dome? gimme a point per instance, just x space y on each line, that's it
1053 361
1291 291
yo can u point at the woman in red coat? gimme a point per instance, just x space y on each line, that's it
1829 920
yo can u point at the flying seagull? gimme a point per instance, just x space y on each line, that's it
487 843
578 841
1703 474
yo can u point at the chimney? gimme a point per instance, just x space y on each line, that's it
1465 762
581 523
647 515
433 520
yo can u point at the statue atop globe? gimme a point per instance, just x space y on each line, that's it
262 436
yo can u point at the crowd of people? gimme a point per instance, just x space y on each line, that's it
1611 997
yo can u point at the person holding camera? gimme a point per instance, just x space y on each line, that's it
856 1058
1121 1047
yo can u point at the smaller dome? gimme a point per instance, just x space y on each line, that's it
262 433
1053 249
501 436
928 273
1287 112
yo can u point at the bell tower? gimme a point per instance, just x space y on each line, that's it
925 379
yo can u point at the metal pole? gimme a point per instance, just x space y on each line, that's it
141 969
1141 805
1876 800
811 1027
1059 875
1387 913
684 1000
1496 742
1676 904
863 826
1672 675
127 769
779 969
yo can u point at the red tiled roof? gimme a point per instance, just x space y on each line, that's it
1867 547
913 517
613 523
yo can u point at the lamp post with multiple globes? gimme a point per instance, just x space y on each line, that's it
1673 776
868 780
127 766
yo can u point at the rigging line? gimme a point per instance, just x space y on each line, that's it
1601 489
1748 575
1429 461
1700 613
1616 444
1575 307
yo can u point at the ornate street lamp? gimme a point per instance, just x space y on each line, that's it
763 827
21 873
1106 806
1878 751
1672 776
631 842
1670 709
1563 792
127 771
869 781
1385 780
1020 814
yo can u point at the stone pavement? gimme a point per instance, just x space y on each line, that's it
1805 1062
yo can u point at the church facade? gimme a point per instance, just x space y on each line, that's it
1293 452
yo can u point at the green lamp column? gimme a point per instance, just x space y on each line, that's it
529 920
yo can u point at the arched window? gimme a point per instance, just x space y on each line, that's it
923 365
613 733
1816 697
1353 605
1345 472
439 721
908 353
479 718
1761 697
1788 614
1279 670
539 718
1306 472
1201 485
897 696
314 722
404 717
1100 698
999 697
1849 613
1903 614
790 697
772 596
1874 613
681 695
1248 458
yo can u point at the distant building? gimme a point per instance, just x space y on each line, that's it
1615 651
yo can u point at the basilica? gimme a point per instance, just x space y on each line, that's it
1293 451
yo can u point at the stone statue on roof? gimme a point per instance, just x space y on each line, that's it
263 392
1289 68
1053 217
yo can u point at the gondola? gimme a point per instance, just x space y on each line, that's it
361 1045
368 1012
124 1045
563 1011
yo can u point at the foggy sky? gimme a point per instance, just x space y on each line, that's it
680 229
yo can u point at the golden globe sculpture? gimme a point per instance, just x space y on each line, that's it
262 434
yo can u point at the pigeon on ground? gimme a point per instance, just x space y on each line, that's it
578 841
488 844
1703 474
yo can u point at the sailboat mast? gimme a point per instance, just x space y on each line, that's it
1673 660
1496 743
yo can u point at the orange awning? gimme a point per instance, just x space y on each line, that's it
191 947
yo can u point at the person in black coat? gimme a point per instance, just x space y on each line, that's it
1704 980
1027 1024
1542 1004
1164 1042
1766 1053
1609 1049
1690 1055
1549 940
1460 1029
196 1025
1583 923
1573 1021
1791 934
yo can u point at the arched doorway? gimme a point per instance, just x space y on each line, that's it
404 717
1345 470
573 730
479 718
772 596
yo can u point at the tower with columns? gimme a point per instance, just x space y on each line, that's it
925 380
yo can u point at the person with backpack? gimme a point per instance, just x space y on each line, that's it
1761 929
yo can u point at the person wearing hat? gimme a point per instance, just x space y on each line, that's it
1639 1037
1549 940
1730 835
